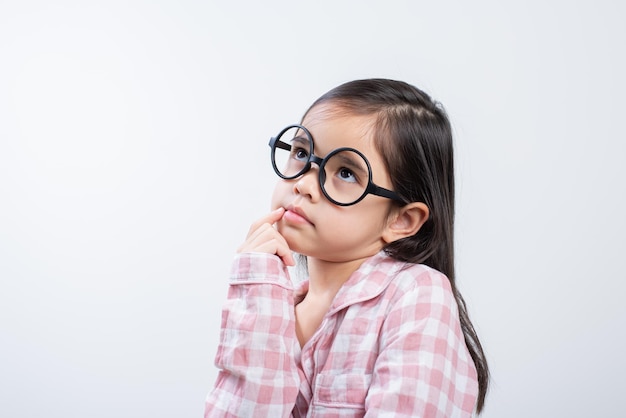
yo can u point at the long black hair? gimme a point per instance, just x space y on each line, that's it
414 137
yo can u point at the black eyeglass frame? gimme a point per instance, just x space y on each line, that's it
321 162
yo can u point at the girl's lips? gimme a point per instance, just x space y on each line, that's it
296 215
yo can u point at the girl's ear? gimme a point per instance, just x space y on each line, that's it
406 221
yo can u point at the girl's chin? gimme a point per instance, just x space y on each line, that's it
291 241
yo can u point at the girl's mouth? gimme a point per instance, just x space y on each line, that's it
296 215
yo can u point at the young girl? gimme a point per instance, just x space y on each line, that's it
366 194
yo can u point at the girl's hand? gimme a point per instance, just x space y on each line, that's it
264 238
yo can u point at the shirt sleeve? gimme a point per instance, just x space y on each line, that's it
424 368
258 375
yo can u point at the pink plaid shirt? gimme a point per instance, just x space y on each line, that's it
390 346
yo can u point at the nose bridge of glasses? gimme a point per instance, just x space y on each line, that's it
321 175
309 168
315 159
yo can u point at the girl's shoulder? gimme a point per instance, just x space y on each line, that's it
411 280
385 276
404 273
422 275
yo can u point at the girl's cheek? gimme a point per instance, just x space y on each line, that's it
277 195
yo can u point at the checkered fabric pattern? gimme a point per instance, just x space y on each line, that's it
390 346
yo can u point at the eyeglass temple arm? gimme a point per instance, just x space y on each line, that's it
279 144
381 191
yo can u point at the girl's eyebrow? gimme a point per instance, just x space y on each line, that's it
300 140
350 163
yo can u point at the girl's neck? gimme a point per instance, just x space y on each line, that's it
325 280
327 277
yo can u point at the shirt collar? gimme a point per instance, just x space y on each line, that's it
367 282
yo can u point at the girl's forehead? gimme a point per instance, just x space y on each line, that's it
336 127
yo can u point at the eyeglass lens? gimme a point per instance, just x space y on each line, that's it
344 174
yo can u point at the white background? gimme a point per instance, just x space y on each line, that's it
133 156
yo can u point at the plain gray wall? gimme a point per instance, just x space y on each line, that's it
133 157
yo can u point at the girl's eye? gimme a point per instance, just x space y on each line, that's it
300 154
346 174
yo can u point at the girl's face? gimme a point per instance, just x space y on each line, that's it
314 226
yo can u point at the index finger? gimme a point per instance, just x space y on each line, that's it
271 218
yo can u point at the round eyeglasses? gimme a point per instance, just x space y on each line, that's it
345 175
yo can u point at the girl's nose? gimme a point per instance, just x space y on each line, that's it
308 184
